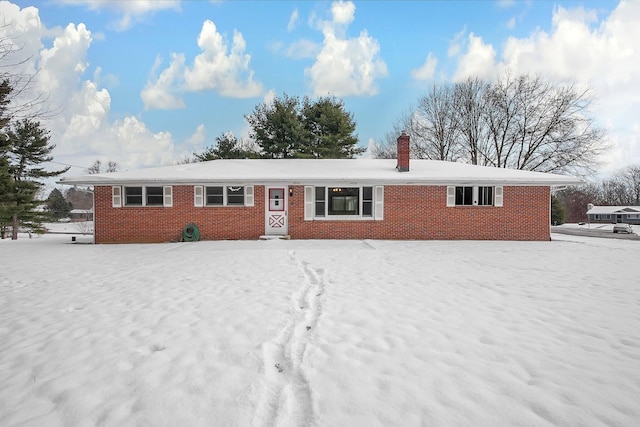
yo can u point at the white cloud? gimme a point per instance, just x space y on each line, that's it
427 70
455 44
198 138
63 64
131 11
346 67
162 92
511 23
343 12
220 68
269 96
139 146
601 53
506 3
479 60
293 20
303 48
83 130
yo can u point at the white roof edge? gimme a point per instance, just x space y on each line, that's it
327 171
293 181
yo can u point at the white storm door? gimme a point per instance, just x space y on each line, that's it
276 211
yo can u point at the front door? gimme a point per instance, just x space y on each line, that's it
276 212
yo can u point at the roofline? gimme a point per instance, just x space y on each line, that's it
335 181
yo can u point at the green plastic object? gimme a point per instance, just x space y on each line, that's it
190 233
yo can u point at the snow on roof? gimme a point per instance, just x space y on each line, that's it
311 171
613 210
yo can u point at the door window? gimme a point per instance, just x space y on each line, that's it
276 199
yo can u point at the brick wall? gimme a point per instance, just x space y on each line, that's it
160 224
418 212
410 212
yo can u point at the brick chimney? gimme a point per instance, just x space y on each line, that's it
403 153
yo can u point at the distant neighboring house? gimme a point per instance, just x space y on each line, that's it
323 199
77 215
614 214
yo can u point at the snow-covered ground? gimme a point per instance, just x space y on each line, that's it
324 333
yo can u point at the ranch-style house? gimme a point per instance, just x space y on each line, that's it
322 199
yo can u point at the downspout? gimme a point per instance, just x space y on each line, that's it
93 201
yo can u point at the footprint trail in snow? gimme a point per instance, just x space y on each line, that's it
285 398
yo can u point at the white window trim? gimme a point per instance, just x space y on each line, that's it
200 196
498 196
377 204
116 196
167 196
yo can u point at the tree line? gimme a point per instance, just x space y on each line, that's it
621 189
290 127
524 122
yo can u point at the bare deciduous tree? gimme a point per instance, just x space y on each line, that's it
24 100
520 123
434 125
97 167
469 112
628 180
535 124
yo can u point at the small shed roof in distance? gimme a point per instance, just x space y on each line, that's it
600 210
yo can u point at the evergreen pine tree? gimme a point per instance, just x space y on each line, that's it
57 205
28 146
557 211
287 128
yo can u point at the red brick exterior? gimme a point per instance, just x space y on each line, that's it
410 212
165 224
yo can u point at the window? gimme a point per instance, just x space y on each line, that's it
485 196
215 196
464 196
343 202
602 216
320 197
133 196
155 196
474 196
144 196
228 195
367 201
235 196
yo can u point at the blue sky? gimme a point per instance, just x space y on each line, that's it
147 83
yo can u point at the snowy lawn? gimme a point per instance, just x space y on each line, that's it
324 333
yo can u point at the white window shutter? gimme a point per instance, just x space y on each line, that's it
167 192
248 195
451 195
116 196
498 196
379 202
198 196
309 202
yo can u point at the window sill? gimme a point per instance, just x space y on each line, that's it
343 218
